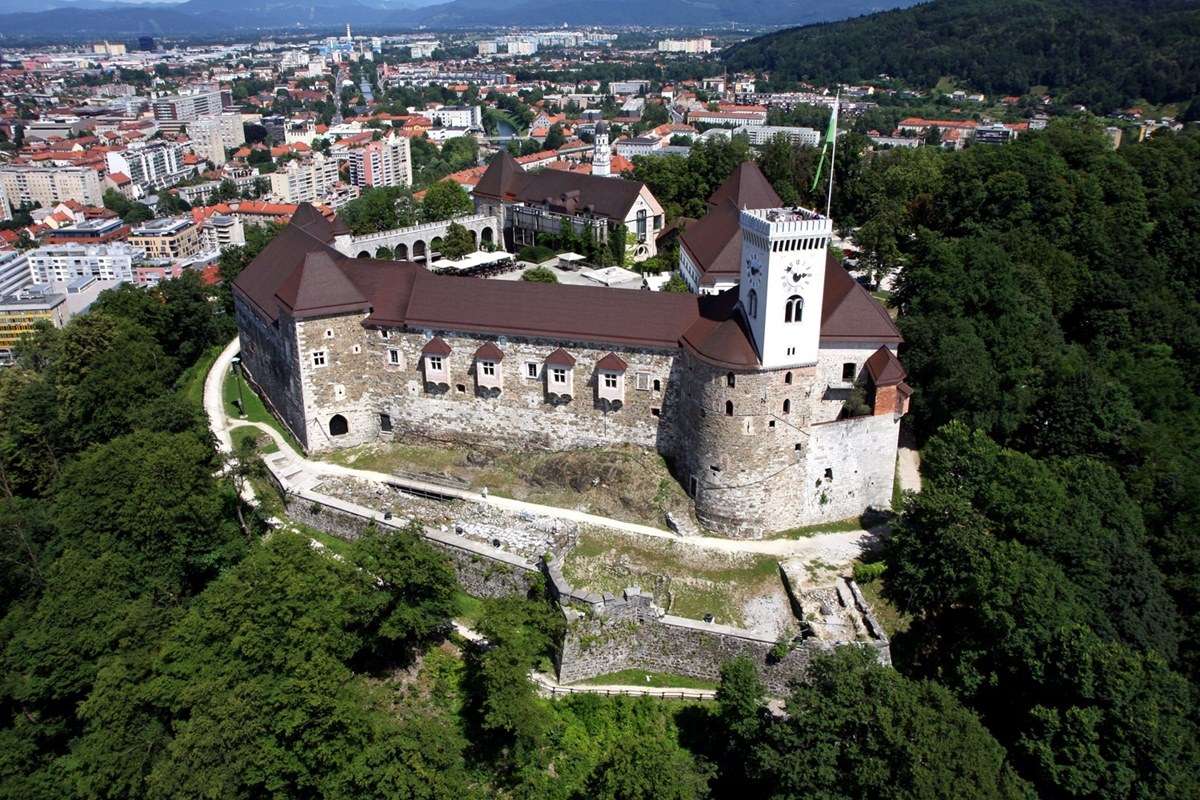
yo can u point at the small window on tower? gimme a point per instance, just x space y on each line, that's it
730 380
849 370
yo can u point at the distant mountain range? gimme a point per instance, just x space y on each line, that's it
80 19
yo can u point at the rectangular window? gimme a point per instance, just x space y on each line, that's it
385 422
531 370
384 333
318 358
610 380
643 381
558 374
849 370
489 368
394 357
435 363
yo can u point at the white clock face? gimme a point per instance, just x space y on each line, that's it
794 276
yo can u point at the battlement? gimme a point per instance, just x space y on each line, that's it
779 223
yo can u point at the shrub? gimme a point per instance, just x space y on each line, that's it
865 573
539 275
535 254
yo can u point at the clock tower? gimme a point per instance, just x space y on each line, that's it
782 283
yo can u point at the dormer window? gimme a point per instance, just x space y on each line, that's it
487 370
435 356
610 382
560 367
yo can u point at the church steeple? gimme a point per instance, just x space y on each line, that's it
602 153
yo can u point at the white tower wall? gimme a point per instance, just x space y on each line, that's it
783 281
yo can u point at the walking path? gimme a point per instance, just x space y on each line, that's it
305 473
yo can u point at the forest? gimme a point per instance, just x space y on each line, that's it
157 640
1104 54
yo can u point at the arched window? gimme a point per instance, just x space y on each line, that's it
794 309
787 406
729 408
730 380
338 425
787 378
752 302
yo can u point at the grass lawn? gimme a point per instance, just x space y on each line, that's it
657 680
256 411
686 581
470 609
627 483
191 382
262 443
892 620
838 526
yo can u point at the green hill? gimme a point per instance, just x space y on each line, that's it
1103 53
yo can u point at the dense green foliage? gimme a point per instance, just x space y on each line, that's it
1102 53
855 729
379 209
1048 298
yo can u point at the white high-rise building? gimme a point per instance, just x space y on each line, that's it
782 283
207 140
174 111
14 272
63 263
386 162
5 210
305 181
49 186
152 164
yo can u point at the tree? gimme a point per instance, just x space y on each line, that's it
445 200
856 729
539 275
676 284
417 597
554 138
459 242
137 213
381 208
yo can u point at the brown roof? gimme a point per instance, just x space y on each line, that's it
715 241
715 244
849 313
319 288
436 347
885 368
301 274
612 362
747 187
488 351
569 192
560 358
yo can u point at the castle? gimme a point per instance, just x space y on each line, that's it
746 391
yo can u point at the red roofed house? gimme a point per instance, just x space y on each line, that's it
745 390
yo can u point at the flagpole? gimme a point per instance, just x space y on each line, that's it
833 155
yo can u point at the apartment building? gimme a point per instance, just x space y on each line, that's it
149 164
220 231
386 162
760 135
63 263
167 238
48 186
14 272
304 181
174 111
457 116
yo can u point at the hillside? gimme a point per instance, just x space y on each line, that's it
211 17
1102 53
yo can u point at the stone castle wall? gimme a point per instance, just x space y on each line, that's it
270 358
761 465
482 571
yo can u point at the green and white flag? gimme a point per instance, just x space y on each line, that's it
830 135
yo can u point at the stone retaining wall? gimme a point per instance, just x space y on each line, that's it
482 571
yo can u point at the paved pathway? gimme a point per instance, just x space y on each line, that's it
909 464
305 473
